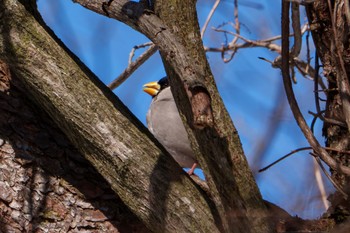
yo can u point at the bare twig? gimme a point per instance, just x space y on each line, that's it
335 184
132 67
237 29
317 99
296 29
136 47
284 157
298 150
308 56
320 184
328 120
253 43
295 51
317 173
303 67
210 15
247 43
235 15
309 69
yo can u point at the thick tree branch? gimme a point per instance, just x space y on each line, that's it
213 136
146 178
45 184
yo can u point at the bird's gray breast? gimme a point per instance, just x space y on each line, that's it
165 124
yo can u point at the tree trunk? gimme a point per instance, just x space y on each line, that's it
331 39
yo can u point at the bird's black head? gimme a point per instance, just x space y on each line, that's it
163 83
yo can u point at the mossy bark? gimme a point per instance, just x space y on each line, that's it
120 148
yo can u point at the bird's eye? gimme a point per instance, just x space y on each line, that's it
163 82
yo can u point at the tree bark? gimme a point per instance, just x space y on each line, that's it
330 31
173 27
231 177
45 183
114 172
55 187
146 178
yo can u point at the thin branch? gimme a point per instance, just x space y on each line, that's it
210 15
335 184
313 122
328 120
132 67
237 29
308 56
296 29
248 43
320 183
298 150
237 23
136 47
317 173
317 99
302 66
284 157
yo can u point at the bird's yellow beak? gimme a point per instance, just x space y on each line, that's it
151 88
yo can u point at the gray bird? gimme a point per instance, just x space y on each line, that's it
165 124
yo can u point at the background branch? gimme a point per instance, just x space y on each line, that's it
133 65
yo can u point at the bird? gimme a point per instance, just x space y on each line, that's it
164 122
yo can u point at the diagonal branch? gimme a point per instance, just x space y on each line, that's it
210 15
211 132
132 67
145 177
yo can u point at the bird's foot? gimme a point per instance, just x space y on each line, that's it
190 172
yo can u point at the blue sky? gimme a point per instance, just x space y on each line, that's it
249 86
